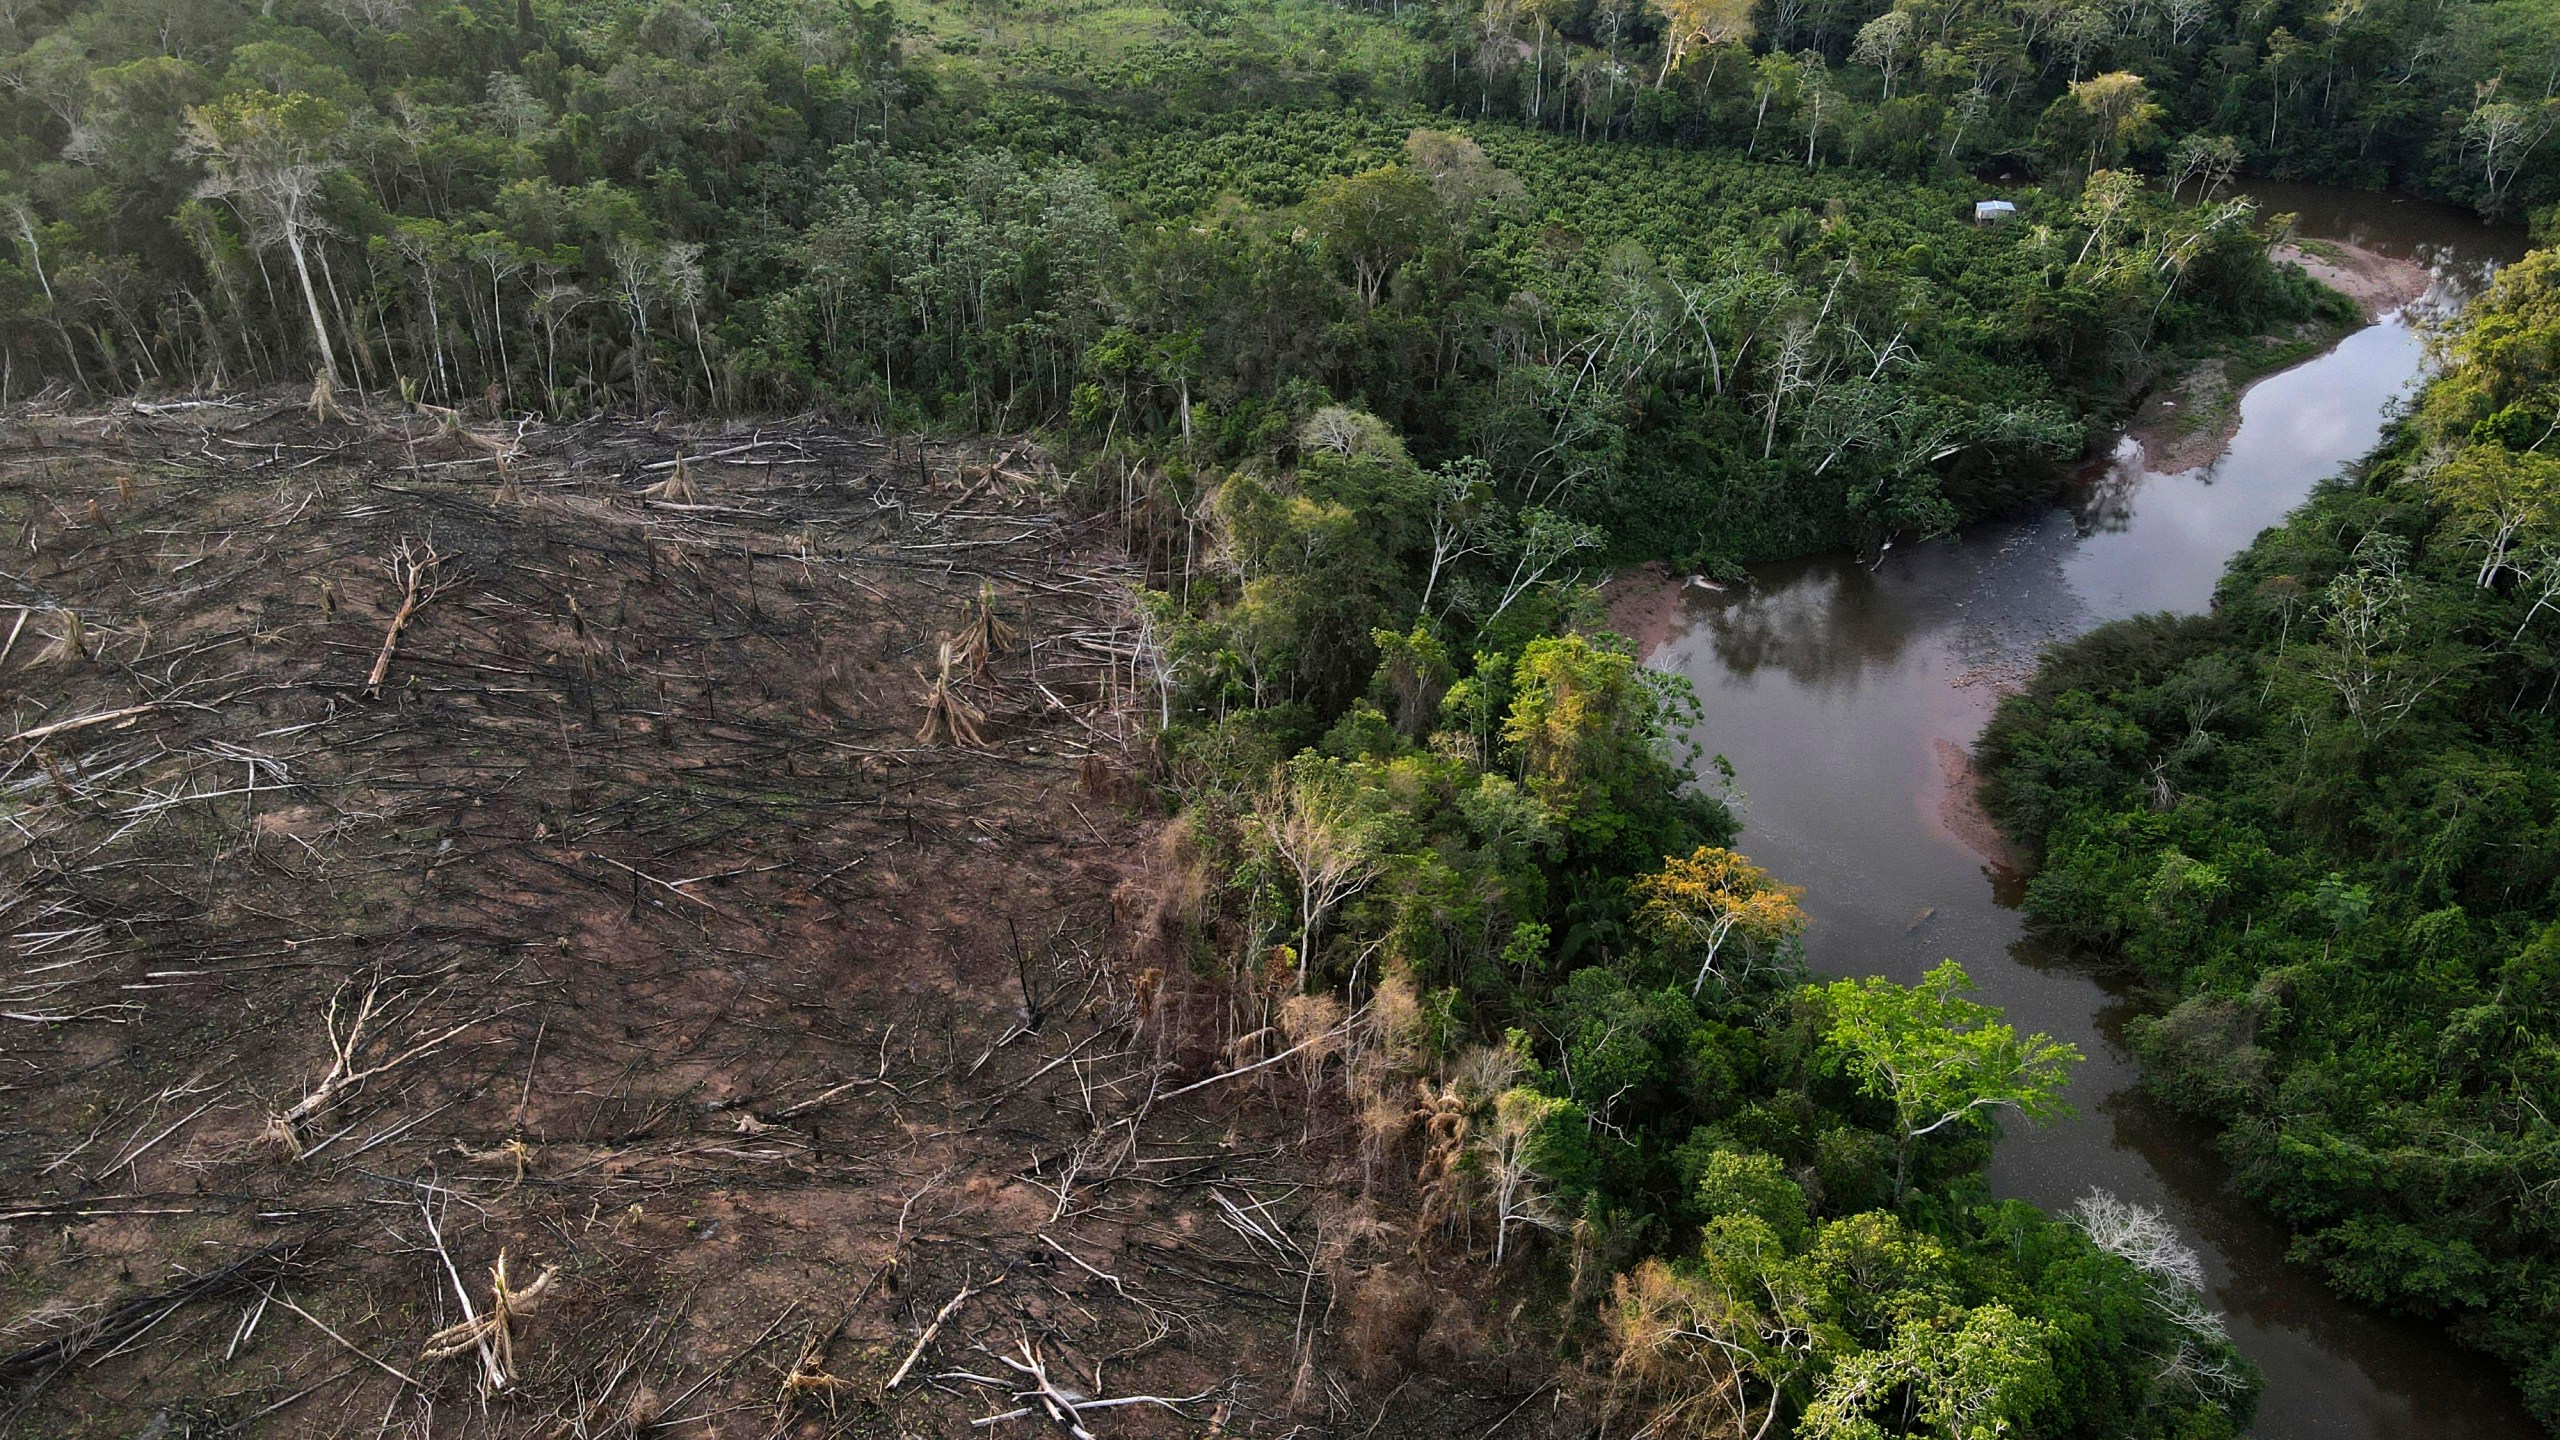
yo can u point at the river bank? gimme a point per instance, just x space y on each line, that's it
2180 427
2378 283
2187 422
1644 602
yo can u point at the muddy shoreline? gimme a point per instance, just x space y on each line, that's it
1644 604
2378 283
2186 423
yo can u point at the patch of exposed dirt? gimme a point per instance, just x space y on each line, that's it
652 951
2378 283
1960 813
2187 424
1644 602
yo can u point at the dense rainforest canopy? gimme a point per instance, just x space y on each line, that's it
1139 222
1377 330
2322 821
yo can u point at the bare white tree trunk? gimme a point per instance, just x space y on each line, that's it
294 242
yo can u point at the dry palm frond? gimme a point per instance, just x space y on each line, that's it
1675 1338
985 636
1312 1018
947 717
492 1332
678 486
324 400
1384 1122
70 646
808 1375
1248 1047
1446 1126
508 493
1313 1024
514 1150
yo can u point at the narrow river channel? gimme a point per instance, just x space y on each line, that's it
1847 698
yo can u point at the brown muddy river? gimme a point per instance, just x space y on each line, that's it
1847 696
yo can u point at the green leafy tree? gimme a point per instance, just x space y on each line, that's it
1588 725
1941 1059
1978 1375
1327 829
1530 1142
2504 134
2501 501
2206 161
1373 222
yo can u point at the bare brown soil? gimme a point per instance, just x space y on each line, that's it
1644 602
1959 809
2188 423
2378 283
754 1034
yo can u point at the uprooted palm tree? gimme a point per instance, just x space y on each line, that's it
985 636
491 1332
677 487
71 646
947 717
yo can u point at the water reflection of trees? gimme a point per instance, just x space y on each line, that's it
2449 1391
1826 623
2102 496
1818 622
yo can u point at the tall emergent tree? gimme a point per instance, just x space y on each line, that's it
270 155
1695 904
1939 1058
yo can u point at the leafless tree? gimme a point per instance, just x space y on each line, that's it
1313 822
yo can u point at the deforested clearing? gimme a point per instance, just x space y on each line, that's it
484 936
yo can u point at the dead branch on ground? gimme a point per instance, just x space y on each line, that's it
416 576
949 1308
345 1076
1063 1406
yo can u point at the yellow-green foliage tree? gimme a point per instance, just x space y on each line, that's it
1697 904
